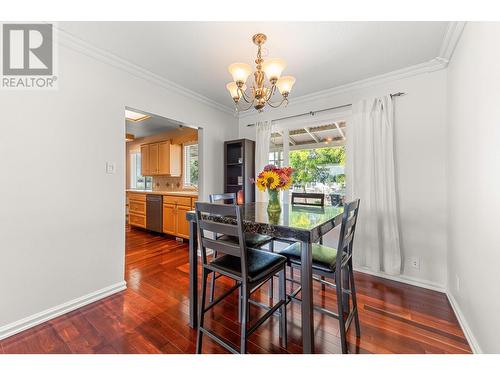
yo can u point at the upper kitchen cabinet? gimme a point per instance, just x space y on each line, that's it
145 160
161 158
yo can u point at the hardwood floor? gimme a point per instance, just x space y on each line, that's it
151 316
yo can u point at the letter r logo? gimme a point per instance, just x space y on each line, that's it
27 49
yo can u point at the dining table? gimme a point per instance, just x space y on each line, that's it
297 223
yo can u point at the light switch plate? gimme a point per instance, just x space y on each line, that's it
110 167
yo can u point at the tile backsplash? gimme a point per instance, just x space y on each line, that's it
167 183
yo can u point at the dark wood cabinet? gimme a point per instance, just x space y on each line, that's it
239 168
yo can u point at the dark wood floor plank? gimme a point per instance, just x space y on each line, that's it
152 315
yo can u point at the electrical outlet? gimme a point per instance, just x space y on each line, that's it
457 283
415 262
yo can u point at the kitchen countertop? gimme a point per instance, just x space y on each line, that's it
188 193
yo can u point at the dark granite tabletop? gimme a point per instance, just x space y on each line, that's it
303 223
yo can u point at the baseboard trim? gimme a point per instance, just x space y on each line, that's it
43 316
474 345
404 279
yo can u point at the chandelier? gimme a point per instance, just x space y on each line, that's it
261 91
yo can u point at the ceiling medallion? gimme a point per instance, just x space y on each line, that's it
261 91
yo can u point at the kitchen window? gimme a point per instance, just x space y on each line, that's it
191 165
137 180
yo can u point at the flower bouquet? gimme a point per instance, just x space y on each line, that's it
274 179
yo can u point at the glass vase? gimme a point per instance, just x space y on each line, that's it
274 201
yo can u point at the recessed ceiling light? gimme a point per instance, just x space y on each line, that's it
135 116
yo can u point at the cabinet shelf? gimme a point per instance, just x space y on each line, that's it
235 151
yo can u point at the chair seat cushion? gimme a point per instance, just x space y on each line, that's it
253 240
323 257
260 263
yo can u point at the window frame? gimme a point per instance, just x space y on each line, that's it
135 165
185 168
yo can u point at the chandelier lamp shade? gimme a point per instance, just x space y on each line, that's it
261 90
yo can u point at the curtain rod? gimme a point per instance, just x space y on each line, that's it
312 113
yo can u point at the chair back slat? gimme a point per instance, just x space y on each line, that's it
227 198
347 229
219 228
208 219
222 246
350 222
305 199
216 209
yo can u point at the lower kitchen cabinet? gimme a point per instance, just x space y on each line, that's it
137 210
173 214
169 221
182 223
174 220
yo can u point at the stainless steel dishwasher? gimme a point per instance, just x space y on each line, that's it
154 213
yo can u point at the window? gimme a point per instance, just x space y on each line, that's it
191 165
276 158
137 180
320 170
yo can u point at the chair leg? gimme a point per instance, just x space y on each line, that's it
282 291
212 283
271 291
212 287
240 305
201 317
354 301
323 286
244 318
343 339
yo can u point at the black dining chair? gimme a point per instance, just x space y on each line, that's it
332 263
309 199
249 268
252 240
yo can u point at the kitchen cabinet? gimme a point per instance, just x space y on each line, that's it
153 159
145 171
174 209
174 215
161 158
169 222
137 209
182 223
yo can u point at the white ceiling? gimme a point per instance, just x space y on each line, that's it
321 55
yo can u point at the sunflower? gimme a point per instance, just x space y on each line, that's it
272 179
261 184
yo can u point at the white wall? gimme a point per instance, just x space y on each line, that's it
421 164
474 160
62 218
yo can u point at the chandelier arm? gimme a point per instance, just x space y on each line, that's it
246 109
270 93
277 105
244 96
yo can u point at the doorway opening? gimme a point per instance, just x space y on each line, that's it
162 173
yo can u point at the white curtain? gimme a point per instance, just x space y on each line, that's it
370 177
262 141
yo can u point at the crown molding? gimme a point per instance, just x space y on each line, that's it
426 67
70 41
450 40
